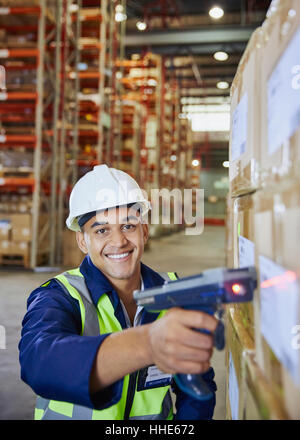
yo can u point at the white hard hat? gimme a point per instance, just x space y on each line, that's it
103 188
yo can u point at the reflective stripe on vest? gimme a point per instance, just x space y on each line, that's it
152 404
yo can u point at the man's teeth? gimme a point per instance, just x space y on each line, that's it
116 256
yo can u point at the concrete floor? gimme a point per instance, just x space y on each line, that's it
184 254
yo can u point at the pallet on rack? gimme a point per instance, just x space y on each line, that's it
16 172
20 259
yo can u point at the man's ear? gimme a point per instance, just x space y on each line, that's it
81 242
145 227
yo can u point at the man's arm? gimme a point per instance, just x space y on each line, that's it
170 343
58 363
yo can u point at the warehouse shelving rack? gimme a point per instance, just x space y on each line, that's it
144 81
68 117
90 44
141 81
132 138
97 40
118 90
28 116
170 134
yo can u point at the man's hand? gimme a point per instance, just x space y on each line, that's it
175 347
170 343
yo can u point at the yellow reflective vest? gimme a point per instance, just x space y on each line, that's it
149 404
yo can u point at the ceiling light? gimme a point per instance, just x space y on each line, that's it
195 163
141 25
120 16
226 164
73 8
216 12
223 85
173 158
119 8
221 56
292 13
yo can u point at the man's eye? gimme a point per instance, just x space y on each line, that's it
101 231
128 227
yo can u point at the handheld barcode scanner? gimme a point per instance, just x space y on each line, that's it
206 292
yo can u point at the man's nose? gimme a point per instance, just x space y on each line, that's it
118 239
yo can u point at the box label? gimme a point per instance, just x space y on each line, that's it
284 97
246 252
233 390
5 224
239 128
280 302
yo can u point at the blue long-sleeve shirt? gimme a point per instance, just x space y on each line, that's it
56 360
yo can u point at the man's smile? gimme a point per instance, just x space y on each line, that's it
119 256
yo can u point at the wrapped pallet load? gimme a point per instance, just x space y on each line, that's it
263 381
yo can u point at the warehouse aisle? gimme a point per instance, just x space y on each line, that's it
184 254
17 400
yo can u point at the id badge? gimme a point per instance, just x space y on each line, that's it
152 377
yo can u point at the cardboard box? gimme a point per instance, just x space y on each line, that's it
14 253
229 232
251 409
277 303
21 227
260 400
19 247
10 204
246 120
249 395
244 249
5 227
72 255
238 342
280 92
14 247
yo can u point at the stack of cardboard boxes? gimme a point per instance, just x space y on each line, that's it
16 236
72 255
263 224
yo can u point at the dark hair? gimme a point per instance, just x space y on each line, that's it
82 219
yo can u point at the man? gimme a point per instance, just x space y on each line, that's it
86 349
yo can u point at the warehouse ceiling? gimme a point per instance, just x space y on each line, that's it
183 32
187 36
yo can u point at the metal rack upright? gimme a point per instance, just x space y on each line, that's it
27 118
